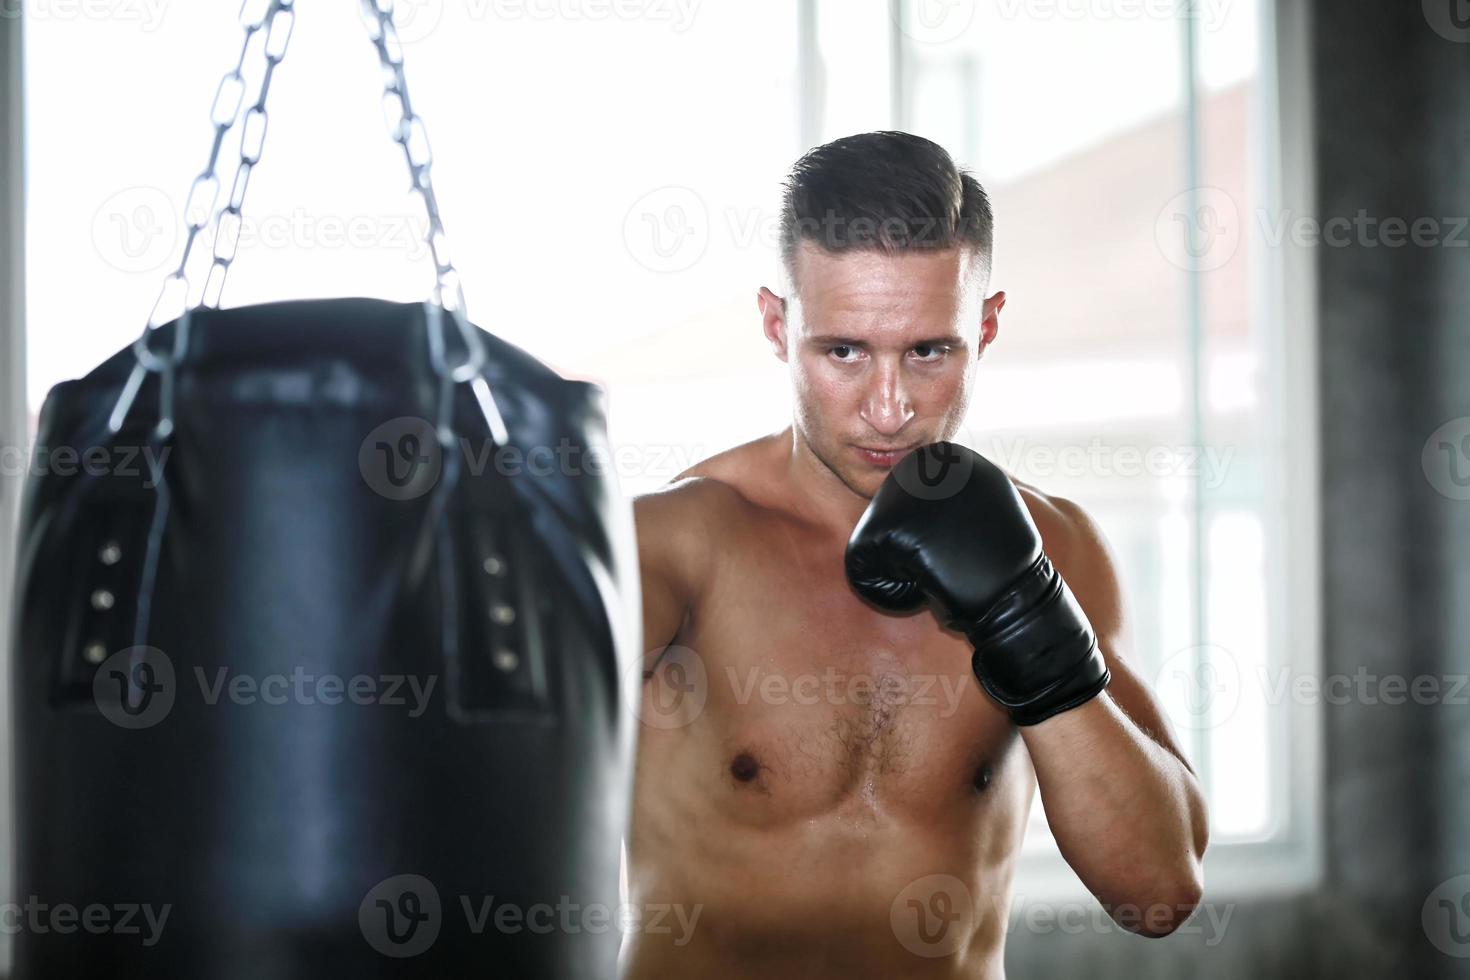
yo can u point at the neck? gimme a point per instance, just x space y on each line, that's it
815 490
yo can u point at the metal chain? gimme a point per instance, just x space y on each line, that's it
252 142
409 132
273 21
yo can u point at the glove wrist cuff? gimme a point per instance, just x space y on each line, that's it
1035 652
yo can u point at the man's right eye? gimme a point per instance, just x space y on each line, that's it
843 352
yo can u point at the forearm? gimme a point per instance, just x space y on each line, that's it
1124 807
1127 814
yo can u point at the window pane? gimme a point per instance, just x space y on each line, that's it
1238 328
1079 129
609 195
853 76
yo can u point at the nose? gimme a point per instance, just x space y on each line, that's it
886 405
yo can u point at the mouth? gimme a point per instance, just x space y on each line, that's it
883 458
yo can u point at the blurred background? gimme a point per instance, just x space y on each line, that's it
1233 238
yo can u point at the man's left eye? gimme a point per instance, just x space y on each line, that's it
930 352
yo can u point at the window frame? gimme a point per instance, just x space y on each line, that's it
1291 860
13 412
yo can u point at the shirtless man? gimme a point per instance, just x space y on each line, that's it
828 784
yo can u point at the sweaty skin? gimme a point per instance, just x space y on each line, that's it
807 763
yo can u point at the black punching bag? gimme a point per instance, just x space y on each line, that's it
315 678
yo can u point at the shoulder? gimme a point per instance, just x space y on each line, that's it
722 486
681 529
690 504
684 528
744 467
692 515
1077 546
1066 527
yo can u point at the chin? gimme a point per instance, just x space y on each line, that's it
864 484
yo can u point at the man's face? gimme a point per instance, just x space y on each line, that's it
882 350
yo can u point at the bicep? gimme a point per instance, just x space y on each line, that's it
1090 569
663 610
667 524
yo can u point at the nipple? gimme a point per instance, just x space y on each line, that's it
744 767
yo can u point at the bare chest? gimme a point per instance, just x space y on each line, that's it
787 697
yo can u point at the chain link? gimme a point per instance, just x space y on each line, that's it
271 21
268 25
409 132
279 21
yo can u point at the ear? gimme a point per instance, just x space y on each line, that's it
773 320
990 321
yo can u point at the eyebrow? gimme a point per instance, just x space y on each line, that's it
834 340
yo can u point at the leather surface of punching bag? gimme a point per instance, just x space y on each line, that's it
371 722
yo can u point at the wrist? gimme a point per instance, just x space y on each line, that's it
1035 652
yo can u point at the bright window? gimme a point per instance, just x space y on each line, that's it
610 186
1142 367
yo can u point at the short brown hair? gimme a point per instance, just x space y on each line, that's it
889 191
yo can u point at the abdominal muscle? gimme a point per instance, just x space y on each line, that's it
793 819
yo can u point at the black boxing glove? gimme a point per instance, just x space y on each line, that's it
947 527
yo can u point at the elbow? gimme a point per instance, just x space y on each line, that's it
1164 907
1163 893
1179 904
1174 896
